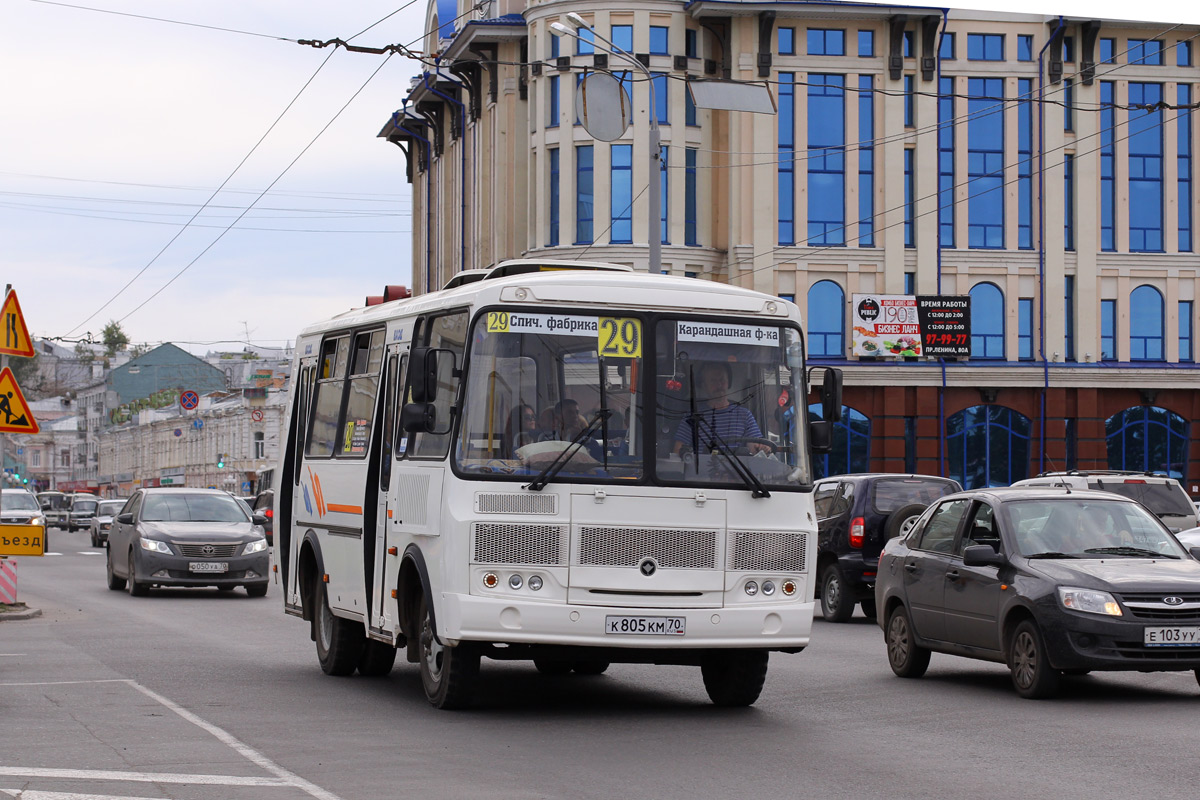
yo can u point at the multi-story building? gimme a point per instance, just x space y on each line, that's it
1041 165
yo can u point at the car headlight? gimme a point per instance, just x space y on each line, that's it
105 526
257 546
1089 601
155 546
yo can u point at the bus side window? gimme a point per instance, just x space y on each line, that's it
447 332
363 389
303 395
389 423
327 397
400 398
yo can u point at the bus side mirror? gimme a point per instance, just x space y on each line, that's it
820 436
831 395
422 377
418 417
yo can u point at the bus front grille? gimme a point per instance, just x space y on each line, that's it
767 550
629 547
496 543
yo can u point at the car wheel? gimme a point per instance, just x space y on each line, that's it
92 534
907 658
836 604
868 608
136 589
256 589
377 659
1032 675
448 674
902 520
552 667
1197 672
114 582
340 641
590 667
734 678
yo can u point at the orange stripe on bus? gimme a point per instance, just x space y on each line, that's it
344 509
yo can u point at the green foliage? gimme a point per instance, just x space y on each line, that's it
114 338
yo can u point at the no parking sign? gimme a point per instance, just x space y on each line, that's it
188 400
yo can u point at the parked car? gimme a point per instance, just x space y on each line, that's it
264 504
100 525
55 505
1159 493
1047 582
81 512
19 507
1189 538
186 537
856 514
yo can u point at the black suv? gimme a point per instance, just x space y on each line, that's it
856 516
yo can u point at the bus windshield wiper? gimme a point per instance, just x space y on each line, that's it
554 467
741 470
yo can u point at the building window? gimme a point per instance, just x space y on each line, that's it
1069 201
555 41
1108 330
1108 166
1025 164
1183 54
909 44
866 160
851 444
985 46
1145 170
987 446
35 459
1183 130
909 101
985 163
1146 51
584 194
659 40
987 321
690 43
689 109
946 162
662 97
787 153
1068 105
910 445
787 41
789 296
1071 443
1069 317
946 48
584 44
866 44
910 199
64 458
1025 329
1024 47
260 445
826 159
552 107
1186 354
622 194
1146 324
1068 51
826 320
664 189
910 283
826 42
622 37
1108 49
1148 439
555 184
689 197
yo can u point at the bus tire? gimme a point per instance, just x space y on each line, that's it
340 641
377 659
734 678
448 674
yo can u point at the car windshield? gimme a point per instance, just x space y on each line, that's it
1076 527
891 494
56 501
193 508
84 506
18 501
109 509
1164 499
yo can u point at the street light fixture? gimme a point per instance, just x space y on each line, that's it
654 231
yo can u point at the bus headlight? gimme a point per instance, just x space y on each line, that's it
535 582
515 582
751 588
768 587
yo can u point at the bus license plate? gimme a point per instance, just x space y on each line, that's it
1172 637
208 566
645 626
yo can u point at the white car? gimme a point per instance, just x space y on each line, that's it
1159 493
1190 537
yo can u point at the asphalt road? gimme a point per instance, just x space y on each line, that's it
200 695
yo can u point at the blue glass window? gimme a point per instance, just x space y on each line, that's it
1186 353
826 42
787 41
946 48
1108 49
866 160
909 44
987 321
787 154
1108 330
1068 51
1183 54
1071 442
985 163
689 197
1025 329
826 320
659 40
987 446
1146 324
555 41
851 444
622 37
1024 47
1146 51
689 108
910 283
1069 201
553 154
1148 438
1183 129
866 44
1145 170
789 296
664 195
1068 105
909 101
1025 164
552 107
662 96
826 159
1108 166
946 162
585 195
622 193
910 199
584 44
985 46
910 445
691 43
1069 317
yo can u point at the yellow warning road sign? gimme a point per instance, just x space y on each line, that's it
22 540
15 416
15 340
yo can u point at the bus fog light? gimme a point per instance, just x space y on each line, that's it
751 588
535 582
789 587
768 587
515 581
490 580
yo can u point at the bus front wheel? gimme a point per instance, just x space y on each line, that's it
448 674
734 678
340 642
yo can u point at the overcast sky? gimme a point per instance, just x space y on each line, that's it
117 129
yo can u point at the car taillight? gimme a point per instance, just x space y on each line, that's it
856 532
269 513
1133 480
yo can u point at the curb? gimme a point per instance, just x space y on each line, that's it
13 616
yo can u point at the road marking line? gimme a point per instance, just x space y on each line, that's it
89 553
139 777
33 794
66 683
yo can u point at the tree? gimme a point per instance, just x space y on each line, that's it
139 349
28 375
114 338
84 353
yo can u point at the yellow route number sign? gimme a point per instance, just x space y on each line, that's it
620 337
22 540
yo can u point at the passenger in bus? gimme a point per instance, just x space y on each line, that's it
731 422
565 424
523 426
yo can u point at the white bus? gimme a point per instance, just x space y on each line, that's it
562 462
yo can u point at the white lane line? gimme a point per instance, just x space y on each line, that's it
66 683
139 777
89 553
33 794
10 655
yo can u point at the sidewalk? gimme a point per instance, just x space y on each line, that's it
16 611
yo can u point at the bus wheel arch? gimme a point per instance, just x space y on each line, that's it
413 588
310 570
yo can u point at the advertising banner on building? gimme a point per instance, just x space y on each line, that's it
945 325
885 325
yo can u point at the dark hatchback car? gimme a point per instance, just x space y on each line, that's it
856 515
1049 582
187 537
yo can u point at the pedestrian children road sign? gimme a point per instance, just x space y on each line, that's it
15 416
15 341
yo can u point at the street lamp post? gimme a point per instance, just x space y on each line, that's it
653 232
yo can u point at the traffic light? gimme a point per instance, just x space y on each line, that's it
220 461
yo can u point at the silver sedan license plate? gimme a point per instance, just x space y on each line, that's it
645 626
1172 636
208 566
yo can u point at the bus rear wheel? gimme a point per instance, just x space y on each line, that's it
734 678
448 674
340 642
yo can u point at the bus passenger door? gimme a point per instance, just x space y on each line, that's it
384 617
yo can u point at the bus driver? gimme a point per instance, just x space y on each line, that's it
730 422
